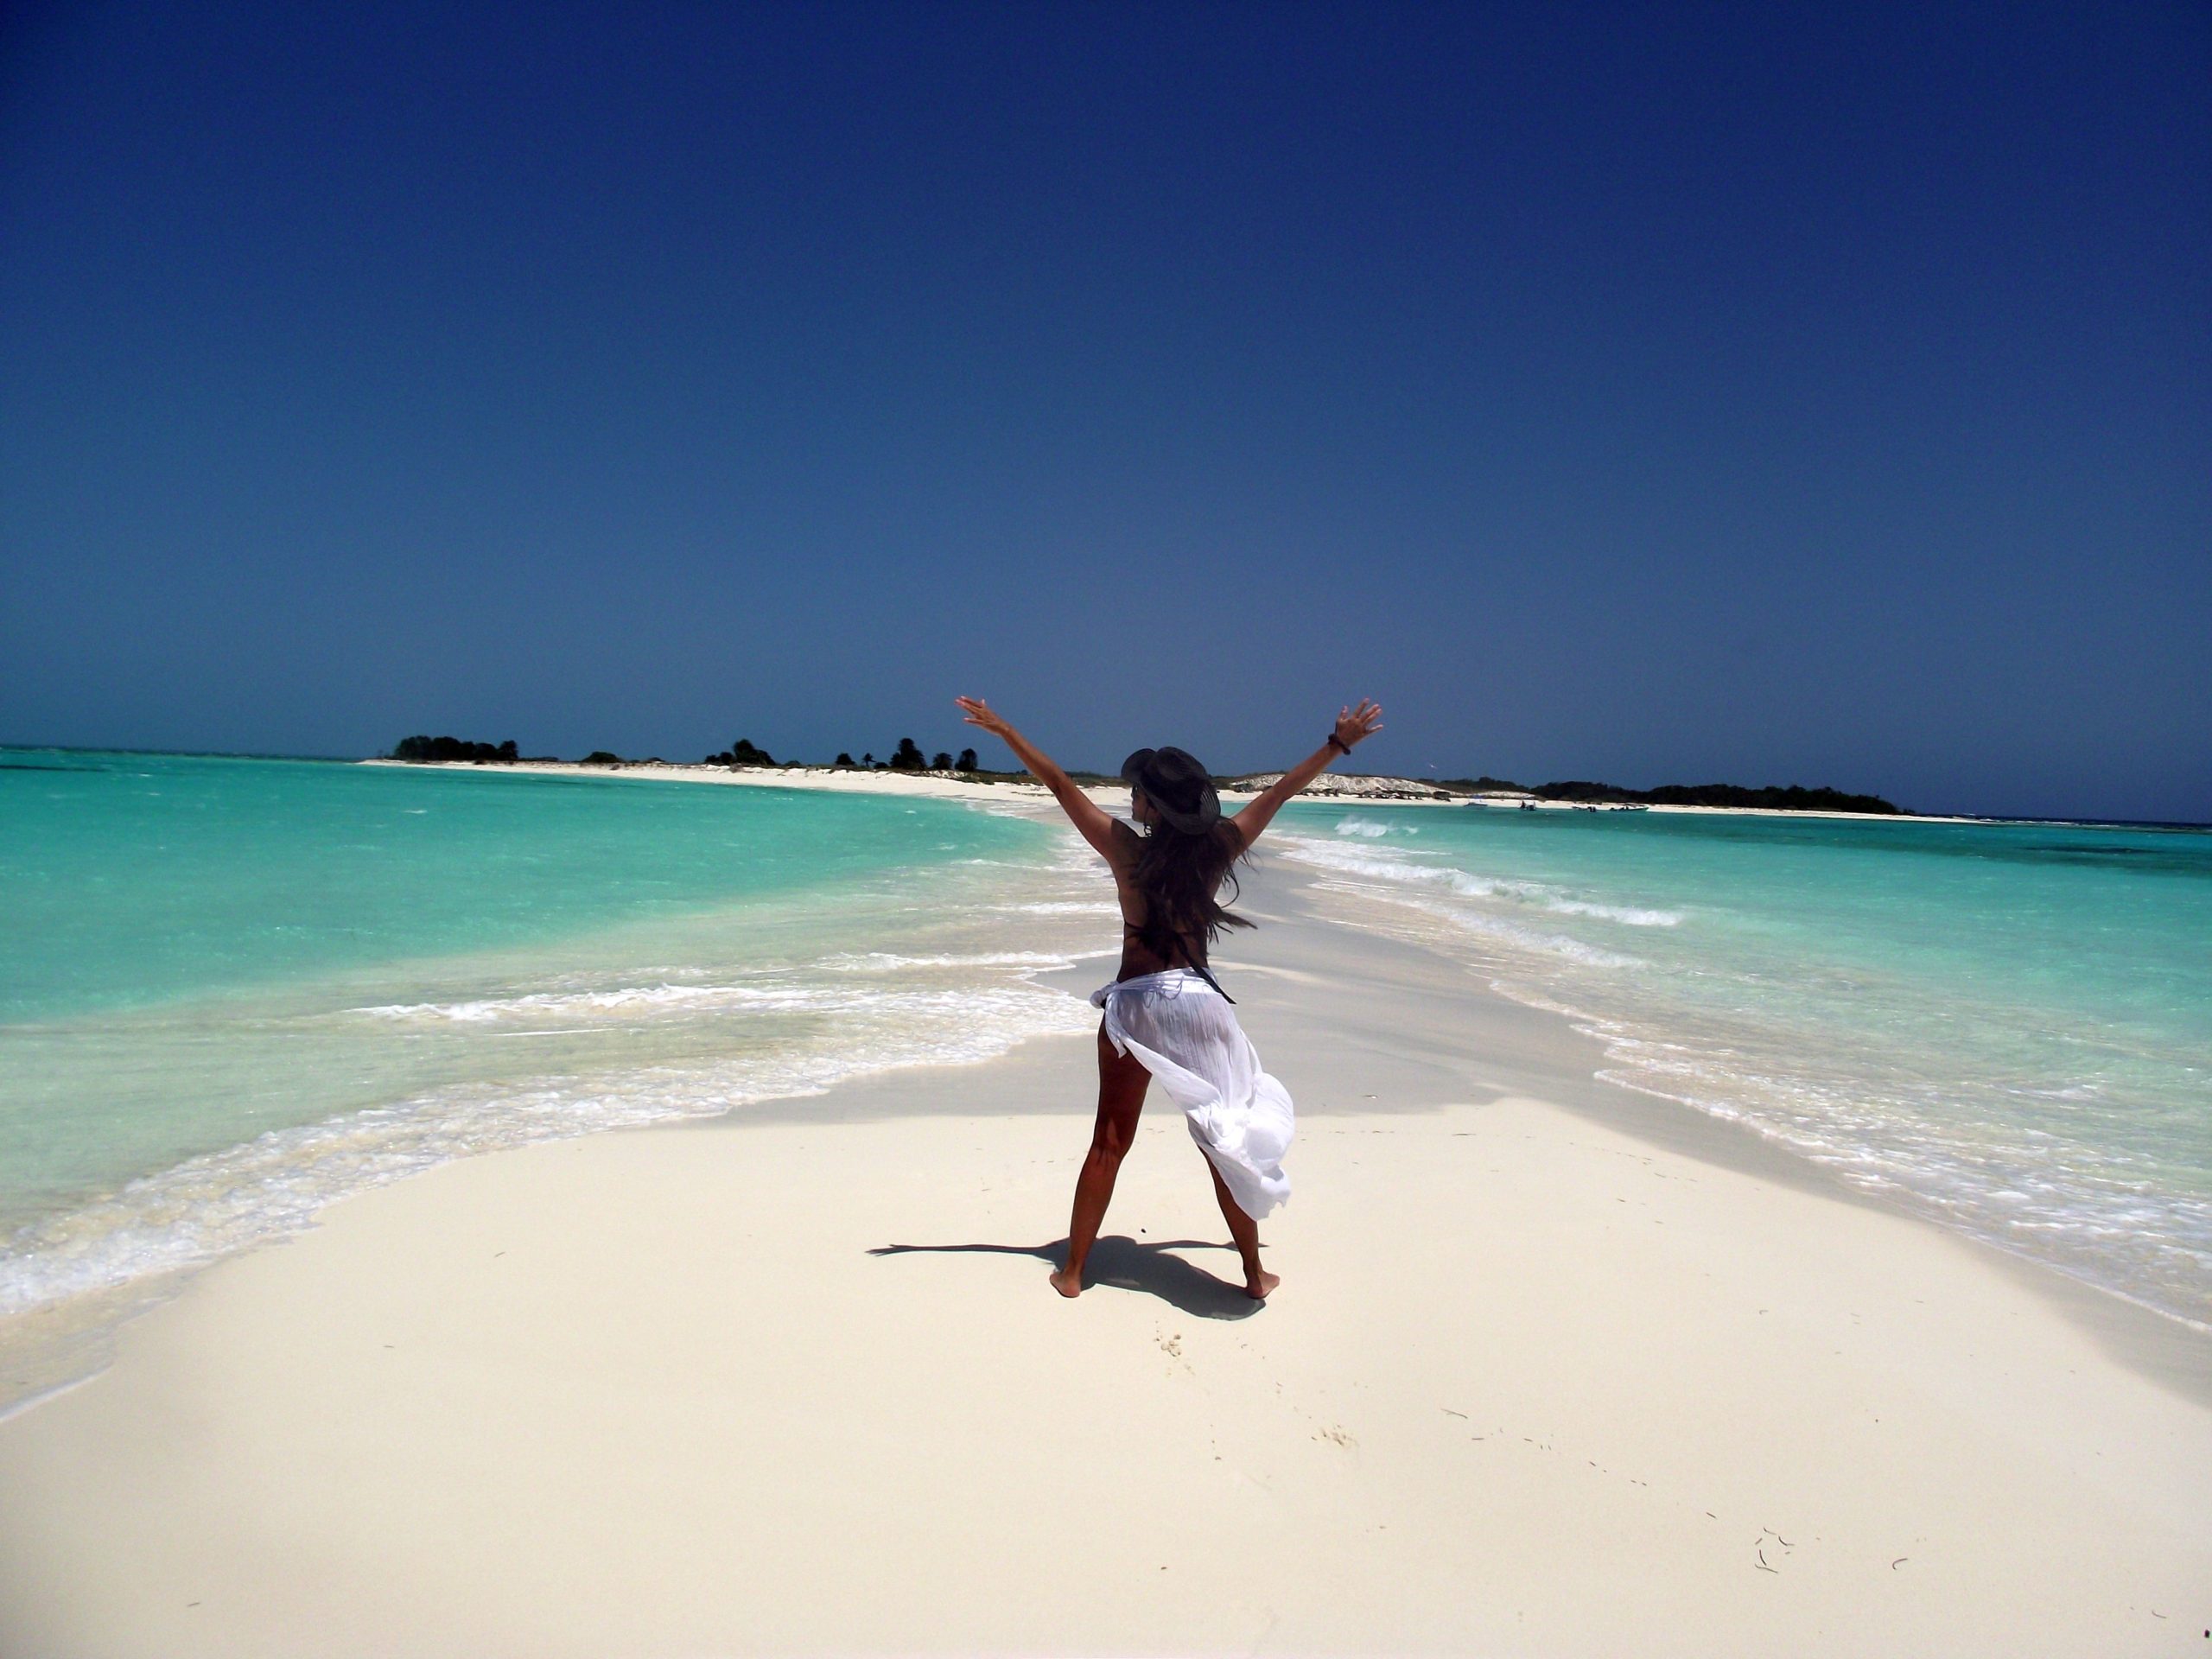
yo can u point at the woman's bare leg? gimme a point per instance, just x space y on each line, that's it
1246 1231
1122 1082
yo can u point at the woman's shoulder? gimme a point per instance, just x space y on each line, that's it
1125 845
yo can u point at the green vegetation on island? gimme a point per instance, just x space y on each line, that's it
1795 798
907 756
743 752
452 748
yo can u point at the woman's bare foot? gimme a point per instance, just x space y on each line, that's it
1068 1284
1260 1284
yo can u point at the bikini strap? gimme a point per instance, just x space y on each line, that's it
1201 969
1206 973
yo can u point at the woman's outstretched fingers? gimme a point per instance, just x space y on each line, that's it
976 712
1360 722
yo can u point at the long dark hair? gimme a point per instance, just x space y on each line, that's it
1181 876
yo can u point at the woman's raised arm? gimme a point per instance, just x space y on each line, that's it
1353 725
1092 822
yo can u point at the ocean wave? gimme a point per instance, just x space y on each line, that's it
2093 1226
880 962
326 1080
1374 830
1520 937
211 1206
2074 1205
630 1001
626 1000
2069 1134
1627 915
1386 864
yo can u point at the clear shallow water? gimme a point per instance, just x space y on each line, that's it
2007 1026
233 990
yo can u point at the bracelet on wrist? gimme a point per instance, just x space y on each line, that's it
1339 744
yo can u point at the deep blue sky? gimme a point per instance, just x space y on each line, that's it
1772 393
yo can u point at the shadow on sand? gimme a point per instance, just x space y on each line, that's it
1122 1263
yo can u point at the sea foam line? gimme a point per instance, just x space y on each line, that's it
1409 887
622 1000
215 1205
1388 864
2147 1252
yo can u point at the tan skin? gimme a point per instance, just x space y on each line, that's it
1123 1078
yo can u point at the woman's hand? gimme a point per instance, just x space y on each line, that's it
976 712
1087 816
1353 724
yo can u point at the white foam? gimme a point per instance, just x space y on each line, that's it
211 1206
1387 864
1628 915
883 961
625 1000
774 1029
1404 884
1886 1112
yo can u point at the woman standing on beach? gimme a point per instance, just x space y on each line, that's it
1164 1015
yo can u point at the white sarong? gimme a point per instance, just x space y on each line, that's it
1185 1034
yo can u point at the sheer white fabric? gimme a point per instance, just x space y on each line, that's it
1185 1034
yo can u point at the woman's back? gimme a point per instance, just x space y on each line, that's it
1168 884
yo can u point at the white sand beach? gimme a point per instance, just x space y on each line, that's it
942 786
1555 1369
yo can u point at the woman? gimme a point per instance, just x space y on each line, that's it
1165 1015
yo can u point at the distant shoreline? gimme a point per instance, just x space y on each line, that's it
1347 787
1353 788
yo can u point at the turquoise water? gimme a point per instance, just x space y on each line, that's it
2006 1025
131 879
234 989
